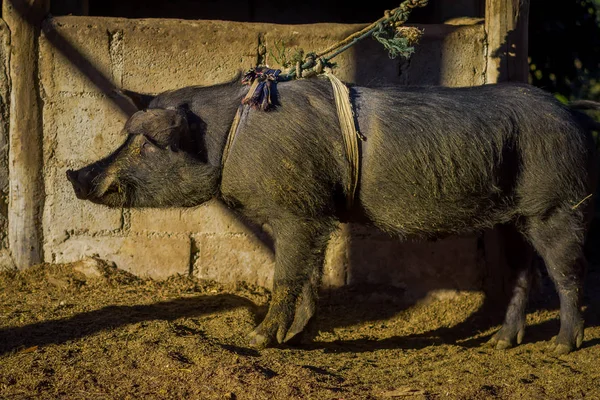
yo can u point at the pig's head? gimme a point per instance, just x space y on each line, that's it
154 167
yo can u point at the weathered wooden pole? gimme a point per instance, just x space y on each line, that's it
26 185
506 26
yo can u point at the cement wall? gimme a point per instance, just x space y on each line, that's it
81 56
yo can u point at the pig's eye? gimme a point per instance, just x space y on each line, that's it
148 146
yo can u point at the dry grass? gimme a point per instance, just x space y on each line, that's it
65 335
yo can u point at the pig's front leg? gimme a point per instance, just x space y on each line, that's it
299 254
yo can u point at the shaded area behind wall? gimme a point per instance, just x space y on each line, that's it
564 51
305 12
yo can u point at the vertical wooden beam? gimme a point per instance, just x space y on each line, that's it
506 23
26 185
506 26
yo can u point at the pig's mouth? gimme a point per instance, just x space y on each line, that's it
97 190
114 196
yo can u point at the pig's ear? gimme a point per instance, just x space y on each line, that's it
140 100
166 126
190 128
179 125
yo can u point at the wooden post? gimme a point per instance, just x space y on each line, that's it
506 23
26 185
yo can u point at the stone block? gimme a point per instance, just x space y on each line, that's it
64 213
155 257
442 58
211 217
283 41
75 55
231 258
6 261
464 65
162 55
80 130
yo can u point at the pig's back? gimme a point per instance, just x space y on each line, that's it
439 161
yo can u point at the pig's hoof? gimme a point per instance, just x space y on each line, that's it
506 338
560 349
500 344
263 337
306 335
258 340
302 329
273 329
565 343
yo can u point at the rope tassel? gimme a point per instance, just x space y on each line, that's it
260 92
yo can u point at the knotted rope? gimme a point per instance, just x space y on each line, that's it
397 41
387 30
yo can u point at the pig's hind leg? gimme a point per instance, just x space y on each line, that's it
559 238
519 256
300 246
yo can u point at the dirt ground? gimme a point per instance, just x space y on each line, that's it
65 333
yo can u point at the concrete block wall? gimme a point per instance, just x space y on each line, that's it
82 123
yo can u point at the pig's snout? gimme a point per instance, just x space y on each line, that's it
81 181
97 184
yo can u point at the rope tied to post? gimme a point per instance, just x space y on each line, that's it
397 40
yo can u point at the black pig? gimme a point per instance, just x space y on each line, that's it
434 161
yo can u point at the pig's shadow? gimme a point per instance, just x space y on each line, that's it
87 323
466 333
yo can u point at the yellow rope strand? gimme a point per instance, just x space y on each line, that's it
236 122
349 133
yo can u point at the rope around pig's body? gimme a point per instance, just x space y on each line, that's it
387 30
